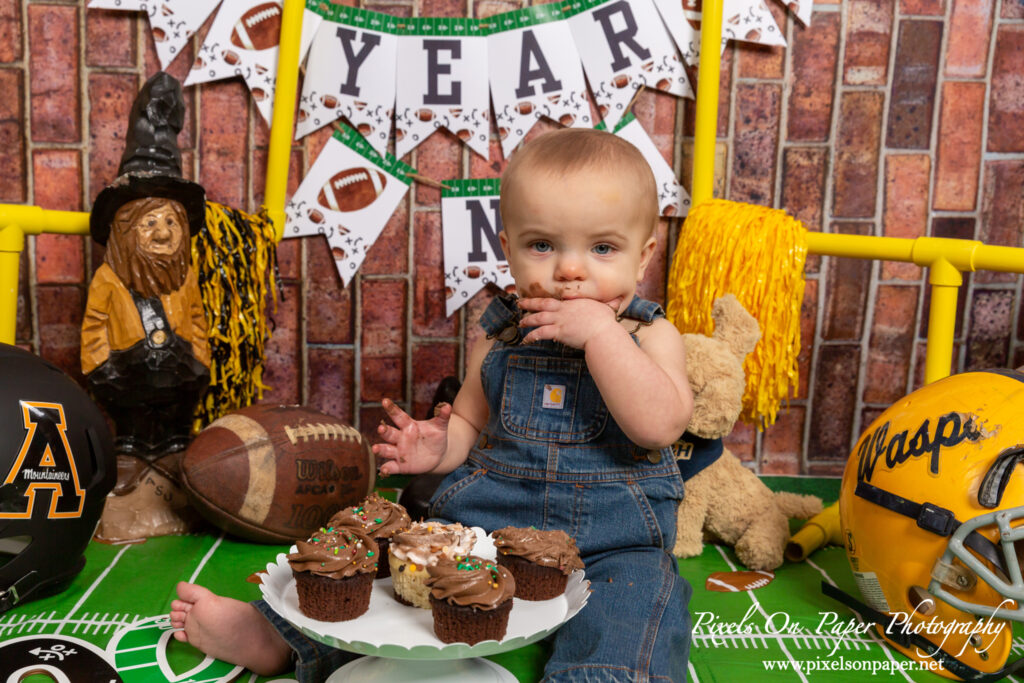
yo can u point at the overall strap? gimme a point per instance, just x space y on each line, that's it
643 310
500 314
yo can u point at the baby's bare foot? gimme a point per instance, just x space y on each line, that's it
229 630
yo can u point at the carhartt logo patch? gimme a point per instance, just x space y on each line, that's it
554 396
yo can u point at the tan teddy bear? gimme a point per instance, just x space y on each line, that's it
724 501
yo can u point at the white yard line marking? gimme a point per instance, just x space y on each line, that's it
206 558
757 603
693 672
871 632
88 592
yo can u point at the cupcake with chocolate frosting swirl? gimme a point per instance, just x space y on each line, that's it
334 571
540 560
471 599
378 518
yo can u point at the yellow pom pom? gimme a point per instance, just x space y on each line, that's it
758 254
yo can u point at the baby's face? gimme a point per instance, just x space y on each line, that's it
579 235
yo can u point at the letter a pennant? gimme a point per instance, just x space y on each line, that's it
538 74
472 251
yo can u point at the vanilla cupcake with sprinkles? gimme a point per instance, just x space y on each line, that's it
412 552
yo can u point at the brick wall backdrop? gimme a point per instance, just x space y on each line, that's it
886 117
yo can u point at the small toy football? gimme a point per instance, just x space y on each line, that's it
352 189
259 28
274 473
734 582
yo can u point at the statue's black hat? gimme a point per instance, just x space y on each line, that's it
151 163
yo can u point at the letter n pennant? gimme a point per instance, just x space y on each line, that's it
472 251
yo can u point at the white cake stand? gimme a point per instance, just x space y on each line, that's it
399 640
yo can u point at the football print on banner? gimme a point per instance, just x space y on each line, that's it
171 22
442 82
472 251
624 45
351 55
539 74
673 199
243 40
747 20
348 196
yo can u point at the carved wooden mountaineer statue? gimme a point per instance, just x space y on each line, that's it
144 335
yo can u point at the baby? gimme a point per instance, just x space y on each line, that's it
564 419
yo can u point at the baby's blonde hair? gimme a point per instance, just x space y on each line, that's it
569 150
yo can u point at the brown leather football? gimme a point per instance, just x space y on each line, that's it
274 473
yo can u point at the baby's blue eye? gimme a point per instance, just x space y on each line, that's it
541 246
603 249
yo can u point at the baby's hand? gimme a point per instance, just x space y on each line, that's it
569 321
416 445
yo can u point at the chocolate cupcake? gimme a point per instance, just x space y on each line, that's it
471 599
334 572
378 518
413 551
541 561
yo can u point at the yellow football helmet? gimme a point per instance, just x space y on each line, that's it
932 515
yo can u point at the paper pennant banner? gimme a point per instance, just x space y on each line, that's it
472 252
243 41
623 45
348 196
346 74
751 21
442 82
747 20
801 8
673 199
171 22
682 19
539 73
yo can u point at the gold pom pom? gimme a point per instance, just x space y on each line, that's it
758 254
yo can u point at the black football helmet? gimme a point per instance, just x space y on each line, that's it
56 467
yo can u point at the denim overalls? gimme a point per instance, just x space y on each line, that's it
552 457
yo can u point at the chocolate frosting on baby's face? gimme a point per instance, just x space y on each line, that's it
335 552
377 516
553 548
471 581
